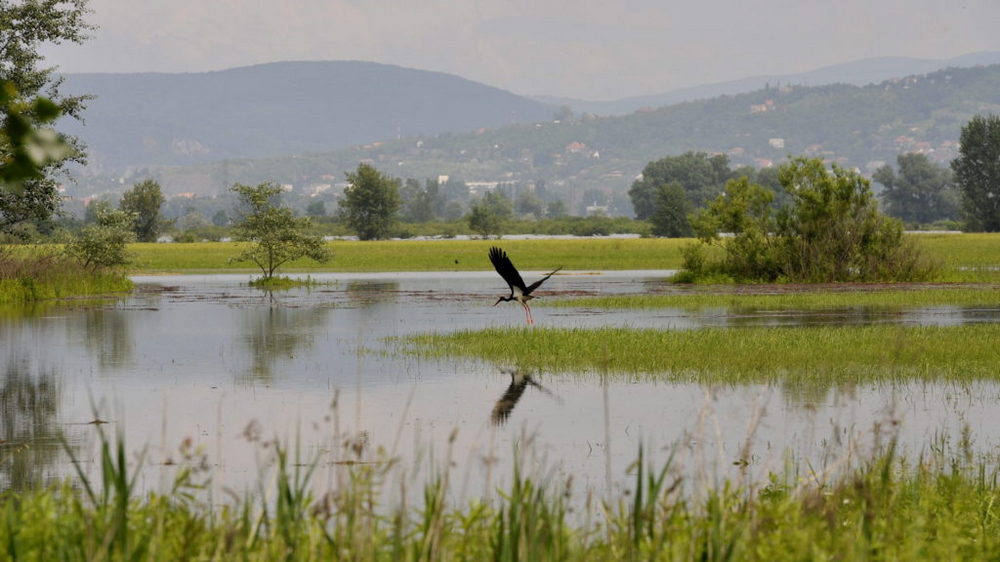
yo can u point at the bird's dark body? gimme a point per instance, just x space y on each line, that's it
518 290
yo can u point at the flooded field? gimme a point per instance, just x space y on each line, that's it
205 367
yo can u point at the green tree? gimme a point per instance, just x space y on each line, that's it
94 210
420 203
24 27
104 243
487 216
556 209
144 201
830 231
977 172
922 192
701 176
528 202
275 234
371 203
670 211
316 208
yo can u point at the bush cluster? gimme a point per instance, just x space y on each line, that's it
829 230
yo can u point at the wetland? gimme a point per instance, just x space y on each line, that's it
403 373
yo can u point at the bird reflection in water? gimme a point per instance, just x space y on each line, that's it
519 381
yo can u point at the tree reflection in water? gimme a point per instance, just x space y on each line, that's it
31 437
363 294
276 333
109 336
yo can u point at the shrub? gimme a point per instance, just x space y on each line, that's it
830 230
103 245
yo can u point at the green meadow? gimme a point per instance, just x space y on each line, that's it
420 255
961 256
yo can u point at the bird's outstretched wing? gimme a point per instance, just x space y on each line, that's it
536 284
506 269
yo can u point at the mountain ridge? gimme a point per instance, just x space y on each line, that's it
140 119
859 72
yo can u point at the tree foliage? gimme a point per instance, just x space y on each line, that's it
371 203
701 177
977 172
922 192
275 234
831 230
420 203
487 216
144 201
104 243
34 154
671 208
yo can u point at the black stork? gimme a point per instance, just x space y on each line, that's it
518 291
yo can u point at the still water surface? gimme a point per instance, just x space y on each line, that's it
226 366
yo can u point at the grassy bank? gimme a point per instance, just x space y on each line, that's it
437 255
33 277
736 355
968 257
939 506
952 251
778 299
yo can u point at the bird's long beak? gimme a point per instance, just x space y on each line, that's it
499 300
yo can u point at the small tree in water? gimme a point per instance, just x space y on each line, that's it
275 234
831 230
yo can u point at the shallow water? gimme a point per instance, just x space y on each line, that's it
211 360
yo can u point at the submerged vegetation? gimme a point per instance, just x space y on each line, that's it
882 297
736 355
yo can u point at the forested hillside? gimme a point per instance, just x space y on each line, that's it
278 109
855 126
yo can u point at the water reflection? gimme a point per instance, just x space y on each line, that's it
520 380
109 335
276 333
364 294
185 361
29 433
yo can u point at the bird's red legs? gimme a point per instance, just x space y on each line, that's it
527 313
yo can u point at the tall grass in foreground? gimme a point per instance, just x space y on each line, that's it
29 277
821 354
940 505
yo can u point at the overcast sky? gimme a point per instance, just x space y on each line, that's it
588 49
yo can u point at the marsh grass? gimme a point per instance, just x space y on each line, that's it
279 282
861 297
822 354
27 277
939 505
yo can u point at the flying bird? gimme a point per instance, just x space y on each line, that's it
518 291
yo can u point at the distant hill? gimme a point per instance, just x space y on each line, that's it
854 126
278 108
859 73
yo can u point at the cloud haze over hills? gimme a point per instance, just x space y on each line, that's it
582 49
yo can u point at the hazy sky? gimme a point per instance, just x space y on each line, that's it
590 49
